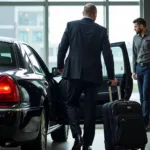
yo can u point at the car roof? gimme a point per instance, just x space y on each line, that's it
9 40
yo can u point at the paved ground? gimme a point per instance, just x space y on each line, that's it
97 145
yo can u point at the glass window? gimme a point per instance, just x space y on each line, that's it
121 25
51 52
122 28
23 36
37 36
23 20
57 26
30 18
33 59
6 55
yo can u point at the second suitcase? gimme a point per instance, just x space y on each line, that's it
123 124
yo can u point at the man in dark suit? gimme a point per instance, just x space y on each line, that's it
86 41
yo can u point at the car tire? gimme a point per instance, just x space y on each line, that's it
40 143
61 134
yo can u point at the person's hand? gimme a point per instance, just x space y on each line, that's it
114 82
60 70
134 76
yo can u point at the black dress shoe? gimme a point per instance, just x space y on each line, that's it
78 142
87 148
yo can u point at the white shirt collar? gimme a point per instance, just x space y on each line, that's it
88 17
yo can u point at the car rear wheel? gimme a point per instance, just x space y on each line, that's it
40 143
61 134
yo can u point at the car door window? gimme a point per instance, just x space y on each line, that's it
26 60
33 60
118 61
122 73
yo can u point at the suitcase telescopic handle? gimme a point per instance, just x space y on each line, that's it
110 91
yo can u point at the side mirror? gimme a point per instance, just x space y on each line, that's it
55 72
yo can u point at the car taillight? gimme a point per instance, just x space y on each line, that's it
8 90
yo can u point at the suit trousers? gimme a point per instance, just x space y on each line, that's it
75 88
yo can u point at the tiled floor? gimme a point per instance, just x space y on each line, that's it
97 145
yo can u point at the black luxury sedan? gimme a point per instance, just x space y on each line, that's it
29 98
32 98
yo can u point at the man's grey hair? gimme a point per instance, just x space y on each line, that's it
90 8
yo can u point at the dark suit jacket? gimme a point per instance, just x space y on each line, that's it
85 40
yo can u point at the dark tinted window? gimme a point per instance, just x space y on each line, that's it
6 54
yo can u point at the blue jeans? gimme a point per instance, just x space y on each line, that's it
143 78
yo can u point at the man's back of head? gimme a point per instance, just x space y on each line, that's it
90 10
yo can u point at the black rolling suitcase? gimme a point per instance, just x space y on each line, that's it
123 124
